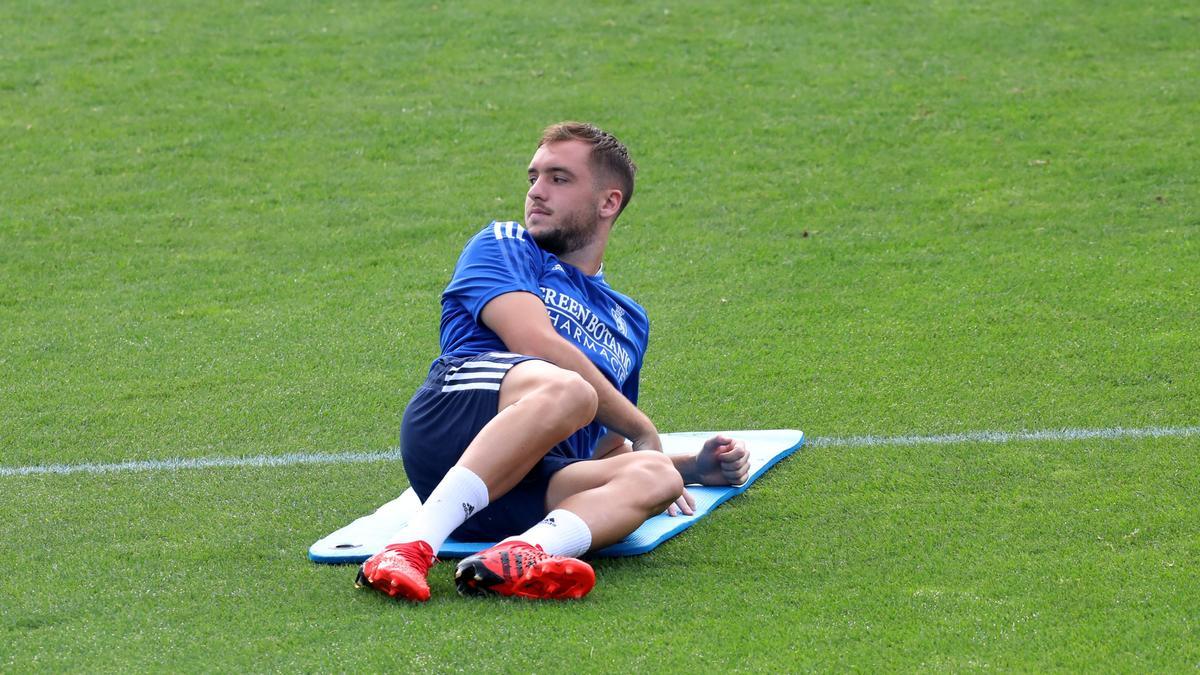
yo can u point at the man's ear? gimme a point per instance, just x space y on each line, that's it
611 206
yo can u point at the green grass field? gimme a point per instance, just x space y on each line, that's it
224 228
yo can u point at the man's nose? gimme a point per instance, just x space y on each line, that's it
535 190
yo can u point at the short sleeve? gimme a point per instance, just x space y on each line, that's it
500 259
630 388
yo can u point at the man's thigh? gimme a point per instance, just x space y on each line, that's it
446 414
449 409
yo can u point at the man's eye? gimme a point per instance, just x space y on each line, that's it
560 179
532 180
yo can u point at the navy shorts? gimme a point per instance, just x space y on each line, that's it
458 398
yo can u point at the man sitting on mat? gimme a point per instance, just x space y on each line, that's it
526 426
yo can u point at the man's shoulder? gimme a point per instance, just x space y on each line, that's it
503 229
501 237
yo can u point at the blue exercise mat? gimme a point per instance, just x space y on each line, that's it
364 537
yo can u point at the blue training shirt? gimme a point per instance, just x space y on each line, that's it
608 327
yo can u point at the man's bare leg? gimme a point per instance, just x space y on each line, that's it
615 495
591 504
539 406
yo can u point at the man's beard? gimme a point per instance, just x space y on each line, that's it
572 234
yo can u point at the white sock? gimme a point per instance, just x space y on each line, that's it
460 495
560 533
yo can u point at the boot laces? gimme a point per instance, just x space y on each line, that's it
415 558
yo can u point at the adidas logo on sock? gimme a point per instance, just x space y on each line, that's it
468 509
550 522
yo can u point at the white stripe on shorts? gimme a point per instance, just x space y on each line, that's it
476 376
482 364
492 386
479 370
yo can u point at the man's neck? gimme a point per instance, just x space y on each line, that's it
589 258
588 265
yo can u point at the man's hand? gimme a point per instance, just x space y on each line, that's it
686 504
722 461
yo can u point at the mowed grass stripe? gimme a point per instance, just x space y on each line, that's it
998 554
295 458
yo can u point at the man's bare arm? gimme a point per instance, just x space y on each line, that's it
520 319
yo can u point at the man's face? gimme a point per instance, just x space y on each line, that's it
562 207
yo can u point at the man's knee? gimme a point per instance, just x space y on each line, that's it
574 394
656 477
563 394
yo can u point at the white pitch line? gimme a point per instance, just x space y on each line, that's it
293 459
1006 436
290 459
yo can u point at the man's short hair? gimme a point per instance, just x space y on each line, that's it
609 157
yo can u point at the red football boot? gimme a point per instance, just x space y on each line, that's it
399 570
522 570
